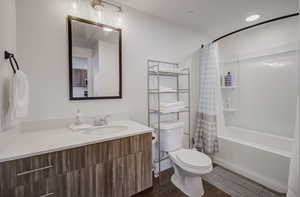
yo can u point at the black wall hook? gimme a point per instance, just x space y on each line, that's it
9 56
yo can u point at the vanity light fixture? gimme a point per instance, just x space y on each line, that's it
252 18
99 4
119 19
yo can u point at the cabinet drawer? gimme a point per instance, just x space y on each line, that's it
25 171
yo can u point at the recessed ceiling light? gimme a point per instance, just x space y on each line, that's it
190 12
252 18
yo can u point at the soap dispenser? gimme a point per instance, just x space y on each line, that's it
78 117
228 80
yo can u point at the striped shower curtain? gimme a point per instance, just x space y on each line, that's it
210 104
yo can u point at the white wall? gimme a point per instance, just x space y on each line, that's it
193 62
264 62
43 53
7 42
294 180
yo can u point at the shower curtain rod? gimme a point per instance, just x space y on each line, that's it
248 27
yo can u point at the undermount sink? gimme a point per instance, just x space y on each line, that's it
104 130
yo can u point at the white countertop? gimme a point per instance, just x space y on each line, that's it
22 144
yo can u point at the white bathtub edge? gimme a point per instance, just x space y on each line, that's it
269 183
259 147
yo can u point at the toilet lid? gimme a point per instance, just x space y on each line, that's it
193 158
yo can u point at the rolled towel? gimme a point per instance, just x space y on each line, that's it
172 109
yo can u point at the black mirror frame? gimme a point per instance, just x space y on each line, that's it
72 18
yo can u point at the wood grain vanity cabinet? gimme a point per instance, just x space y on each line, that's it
121 167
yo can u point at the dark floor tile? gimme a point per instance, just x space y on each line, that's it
163 187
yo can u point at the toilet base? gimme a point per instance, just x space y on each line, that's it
191 186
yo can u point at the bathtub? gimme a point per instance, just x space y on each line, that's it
261 157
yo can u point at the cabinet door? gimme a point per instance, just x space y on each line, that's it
68 160
121 177
58 185
37 189
131 174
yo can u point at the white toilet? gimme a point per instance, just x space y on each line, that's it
188 164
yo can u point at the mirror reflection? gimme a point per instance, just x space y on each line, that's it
95 57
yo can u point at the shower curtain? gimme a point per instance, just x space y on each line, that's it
209 113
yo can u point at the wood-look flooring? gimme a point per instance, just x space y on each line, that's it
167 189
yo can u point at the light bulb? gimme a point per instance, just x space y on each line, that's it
74 5
119 19
253 18
107 29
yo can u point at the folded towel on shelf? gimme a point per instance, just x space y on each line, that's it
172 109
19 95
169 124
165 89
173 104
169 69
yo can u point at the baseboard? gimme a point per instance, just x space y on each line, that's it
269 183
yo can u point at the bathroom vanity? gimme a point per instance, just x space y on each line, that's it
116 164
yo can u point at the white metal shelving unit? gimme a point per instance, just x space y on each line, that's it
154 70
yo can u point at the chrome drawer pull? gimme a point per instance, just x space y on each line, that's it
49 194
35 170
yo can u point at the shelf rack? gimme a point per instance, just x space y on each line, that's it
154 70
230 87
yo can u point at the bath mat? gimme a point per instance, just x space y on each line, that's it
236 185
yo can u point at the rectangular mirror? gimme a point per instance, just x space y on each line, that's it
95 60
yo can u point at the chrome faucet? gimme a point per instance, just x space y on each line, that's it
101 121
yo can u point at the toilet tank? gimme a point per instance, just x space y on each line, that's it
171 135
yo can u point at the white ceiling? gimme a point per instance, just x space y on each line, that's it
213 17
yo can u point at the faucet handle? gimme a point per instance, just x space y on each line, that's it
101 120
97 121
105 118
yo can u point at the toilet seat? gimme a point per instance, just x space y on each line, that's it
192 161
193 158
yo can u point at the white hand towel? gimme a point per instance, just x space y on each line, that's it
19 95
